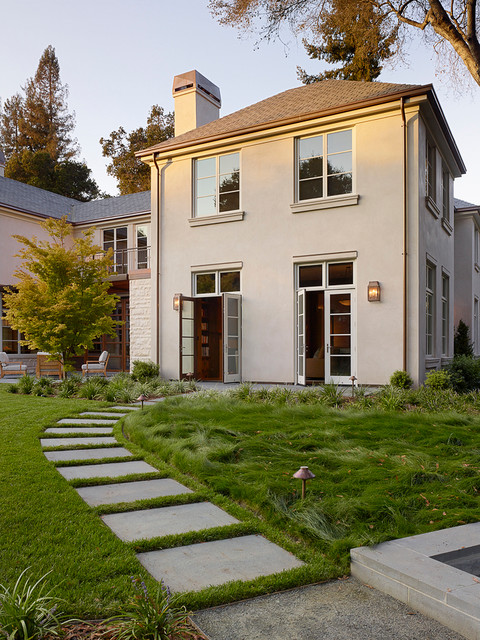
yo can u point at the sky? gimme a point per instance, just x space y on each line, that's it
119 58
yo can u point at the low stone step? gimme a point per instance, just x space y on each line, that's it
105 414
129 408
68 442
198 566
85 421
86 429
106 470
131 491
88 454
164 521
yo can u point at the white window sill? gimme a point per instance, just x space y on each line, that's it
325 203
432 363
234 216
447 226
432 206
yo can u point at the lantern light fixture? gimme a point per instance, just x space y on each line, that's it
176 301
374 291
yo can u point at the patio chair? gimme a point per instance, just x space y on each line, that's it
10 367
46 367
96 366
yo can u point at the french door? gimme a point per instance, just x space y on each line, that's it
332 355
198 335
339 353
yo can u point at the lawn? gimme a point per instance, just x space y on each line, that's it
379 475
43 522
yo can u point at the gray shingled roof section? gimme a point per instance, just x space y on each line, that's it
118 207
24 197
295 103
462 204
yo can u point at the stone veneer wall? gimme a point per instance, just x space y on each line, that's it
140 321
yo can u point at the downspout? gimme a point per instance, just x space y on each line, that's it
157 260
405 233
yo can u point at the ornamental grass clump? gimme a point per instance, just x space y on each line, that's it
148 617
28 611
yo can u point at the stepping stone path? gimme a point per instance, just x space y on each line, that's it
188 568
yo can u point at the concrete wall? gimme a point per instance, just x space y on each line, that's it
273 236
12 223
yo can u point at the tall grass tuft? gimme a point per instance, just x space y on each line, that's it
28 611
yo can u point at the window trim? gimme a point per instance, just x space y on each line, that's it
445 314
431 178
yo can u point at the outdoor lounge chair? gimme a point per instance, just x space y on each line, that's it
9 367
46 367
97 366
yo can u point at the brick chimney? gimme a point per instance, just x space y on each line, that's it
197 101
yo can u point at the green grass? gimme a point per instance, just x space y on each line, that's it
44 523
379 475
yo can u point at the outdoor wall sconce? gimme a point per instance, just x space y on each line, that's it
176 301
141 398
304 474
374 291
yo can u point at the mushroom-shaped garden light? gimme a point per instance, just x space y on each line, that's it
304 474
141 398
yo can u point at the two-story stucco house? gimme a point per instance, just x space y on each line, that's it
307 237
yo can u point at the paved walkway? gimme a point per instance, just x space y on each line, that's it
188 568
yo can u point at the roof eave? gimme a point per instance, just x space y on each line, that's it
353 106
437 109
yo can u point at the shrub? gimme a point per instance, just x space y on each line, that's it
25 384
438 380
461 341
143 371
392 398
149 617
464 373
93 388
331 396
69 386
401 380
12 387
43 387
28 611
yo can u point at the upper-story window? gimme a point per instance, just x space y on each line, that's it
445 194
116 239
325 165
430 171
217 185
143 249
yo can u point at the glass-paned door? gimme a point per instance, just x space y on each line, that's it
338 337
232 337
301 378
187 337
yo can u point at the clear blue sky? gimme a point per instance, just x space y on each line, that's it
119 58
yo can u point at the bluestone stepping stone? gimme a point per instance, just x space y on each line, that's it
150 523
68 442
106 470
92 430
84 421
106 414
131 491
198 566
129 408
87 454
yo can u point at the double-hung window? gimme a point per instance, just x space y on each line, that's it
217 185
430 309
325 165
116 239
445 314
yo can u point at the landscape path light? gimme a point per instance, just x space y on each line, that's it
304 474
353 378
141 398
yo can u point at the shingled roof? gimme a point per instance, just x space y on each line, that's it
302 103
28 199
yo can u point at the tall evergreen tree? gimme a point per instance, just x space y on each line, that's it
133 175
36 135
355 37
